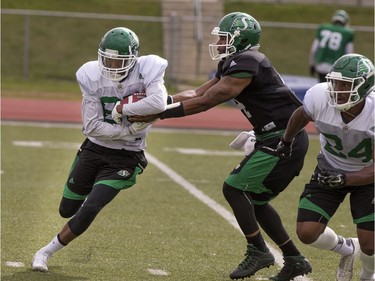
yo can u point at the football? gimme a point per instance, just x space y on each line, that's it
133 98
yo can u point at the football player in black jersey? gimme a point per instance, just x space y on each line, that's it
247 77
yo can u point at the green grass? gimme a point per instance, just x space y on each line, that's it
59 46
154 225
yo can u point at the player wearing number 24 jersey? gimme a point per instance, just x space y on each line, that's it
343 112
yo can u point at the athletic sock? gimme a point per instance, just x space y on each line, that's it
367 266
53 246
329 240
344 247
257 241
289 249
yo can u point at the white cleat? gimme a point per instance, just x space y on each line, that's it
40 261
345 269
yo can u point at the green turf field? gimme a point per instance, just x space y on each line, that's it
156 230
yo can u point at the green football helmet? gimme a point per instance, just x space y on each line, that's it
242 32
341 16
353 68
117 53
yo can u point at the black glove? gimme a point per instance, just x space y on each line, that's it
331 179
284 149
312 71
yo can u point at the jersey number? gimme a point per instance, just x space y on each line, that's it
330 39
362 150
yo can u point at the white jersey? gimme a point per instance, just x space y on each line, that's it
347 147
100 96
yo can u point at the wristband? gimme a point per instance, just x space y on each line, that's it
287 143
173 110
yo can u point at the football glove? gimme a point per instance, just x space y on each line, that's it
136 127
331 179
115 115
244 141
284 149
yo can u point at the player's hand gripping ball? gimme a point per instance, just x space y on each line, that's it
118 117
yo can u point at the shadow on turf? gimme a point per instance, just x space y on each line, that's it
30 275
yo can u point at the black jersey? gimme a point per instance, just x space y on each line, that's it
267 102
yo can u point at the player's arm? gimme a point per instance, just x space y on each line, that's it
189 94
225 89
297 122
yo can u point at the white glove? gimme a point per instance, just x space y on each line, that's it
250 143
136 127
115 115
244 141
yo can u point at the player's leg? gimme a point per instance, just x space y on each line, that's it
295 263
276 181
98 198
366 254
257 254
317 206
80 179
253 180
363 215
78 186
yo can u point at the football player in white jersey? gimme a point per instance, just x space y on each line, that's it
343 112
112 155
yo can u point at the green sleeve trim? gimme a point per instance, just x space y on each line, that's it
241 75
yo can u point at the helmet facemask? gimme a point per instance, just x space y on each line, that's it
336 97
229 48
114 66
358 73
117 54
241 32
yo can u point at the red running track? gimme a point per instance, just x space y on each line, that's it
37 110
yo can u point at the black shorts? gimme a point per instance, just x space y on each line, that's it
264 175
95 164
319 204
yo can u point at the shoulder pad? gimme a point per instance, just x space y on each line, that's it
151 66
89 70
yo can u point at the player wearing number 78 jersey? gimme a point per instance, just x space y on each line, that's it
343 112
332 40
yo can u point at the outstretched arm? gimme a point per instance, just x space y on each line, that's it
189 94
205 97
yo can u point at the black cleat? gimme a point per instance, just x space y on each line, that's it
254 261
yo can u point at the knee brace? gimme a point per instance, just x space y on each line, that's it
84 217
69 207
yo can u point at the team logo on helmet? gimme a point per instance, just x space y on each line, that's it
363 67
242 23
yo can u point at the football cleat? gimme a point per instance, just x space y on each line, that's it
40 260
345 269
293 267
254 261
